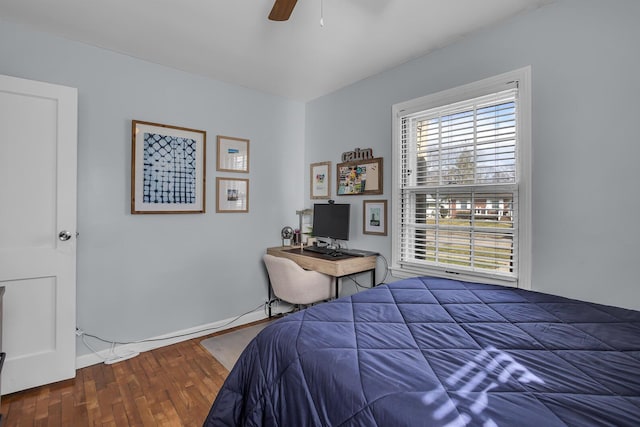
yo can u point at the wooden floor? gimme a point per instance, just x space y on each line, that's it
169 386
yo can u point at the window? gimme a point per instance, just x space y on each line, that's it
461 182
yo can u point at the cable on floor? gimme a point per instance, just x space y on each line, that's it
114 342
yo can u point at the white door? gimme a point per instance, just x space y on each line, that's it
38 146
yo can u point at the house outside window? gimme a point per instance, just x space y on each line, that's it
461 184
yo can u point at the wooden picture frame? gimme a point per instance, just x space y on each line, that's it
359 177
232 195
233 154
320 180
374 217
168 169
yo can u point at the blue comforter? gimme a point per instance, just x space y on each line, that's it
437 352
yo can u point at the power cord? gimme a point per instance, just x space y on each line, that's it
386 274
120 357
386 269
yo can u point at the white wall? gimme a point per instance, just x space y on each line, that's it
585 68
141 276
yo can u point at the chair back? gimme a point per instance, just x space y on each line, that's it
293 284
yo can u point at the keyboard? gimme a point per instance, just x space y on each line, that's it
328 251
319 250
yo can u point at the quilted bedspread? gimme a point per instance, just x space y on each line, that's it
437 352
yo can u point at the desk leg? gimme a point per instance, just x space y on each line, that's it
373 278
269 300
337 287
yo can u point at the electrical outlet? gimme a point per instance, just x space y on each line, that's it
79 332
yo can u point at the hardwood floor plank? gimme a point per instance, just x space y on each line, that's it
54 410
93 408
67 408
128 400
120 416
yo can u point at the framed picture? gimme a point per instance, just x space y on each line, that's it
232 195
359 177
233 154
167 169
374 220
320 180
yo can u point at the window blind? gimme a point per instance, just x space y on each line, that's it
458 186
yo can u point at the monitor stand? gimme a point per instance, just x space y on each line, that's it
326 241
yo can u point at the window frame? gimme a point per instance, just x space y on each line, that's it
524 170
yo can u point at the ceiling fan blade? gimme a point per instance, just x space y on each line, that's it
282 10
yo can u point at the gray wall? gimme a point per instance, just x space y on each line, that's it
141 276
585 68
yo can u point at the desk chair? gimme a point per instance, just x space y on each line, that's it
295 285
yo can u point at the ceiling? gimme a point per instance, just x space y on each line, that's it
233 41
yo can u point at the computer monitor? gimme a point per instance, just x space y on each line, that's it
331 220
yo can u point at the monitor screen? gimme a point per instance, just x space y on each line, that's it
331 220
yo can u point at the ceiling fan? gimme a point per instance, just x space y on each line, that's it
282 10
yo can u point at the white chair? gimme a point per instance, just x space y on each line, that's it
295 285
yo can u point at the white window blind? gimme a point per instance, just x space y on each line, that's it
457 187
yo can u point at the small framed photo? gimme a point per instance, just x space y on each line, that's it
232 195
374 217
320 178
167 169
233 154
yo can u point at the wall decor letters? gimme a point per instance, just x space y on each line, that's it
357 154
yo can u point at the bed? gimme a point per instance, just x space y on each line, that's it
437 352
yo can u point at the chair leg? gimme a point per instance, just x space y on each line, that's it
269 304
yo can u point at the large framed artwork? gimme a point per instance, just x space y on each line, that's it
320 178
233 154
232 195
360 177
167 169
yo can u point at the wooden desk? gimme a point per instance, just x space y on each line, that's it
337 267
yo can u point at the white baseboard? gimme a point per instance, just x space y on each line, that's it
122 352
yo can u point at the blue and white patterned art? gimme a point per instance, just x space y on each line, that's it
169 169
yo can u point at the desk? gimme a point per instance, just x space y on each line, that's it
337 267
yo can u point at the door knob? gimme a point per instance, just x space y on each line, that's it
64 235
